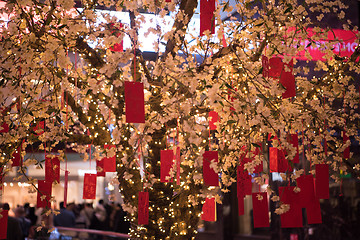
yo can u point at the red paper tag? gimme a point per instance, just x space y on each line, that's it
89 191
260 210
265 66
166 163
307 193
346 153
211 178
4 128
209 210
134 102
294 140
213 119
244 185
100 168
44 194
278 162
275 67
39 128
322 181
3 224
16 157
207 18
313 212
241 208
293 217
178 162
287 80
52 169
143 208
109 162
66 187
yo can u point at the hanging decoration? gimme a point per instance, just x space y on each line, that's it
207 18
260 210
109 162
44 194
3 224
346 153
322 181
213 119
52 168
100 168
210 160
209 210
143 208
134 102
292 218
89 191
166 163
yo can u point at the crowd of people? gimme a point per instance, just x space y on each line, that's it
26 222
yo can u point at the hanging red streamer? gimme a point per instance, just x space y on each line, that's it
52 169
17 157
44 194
346 152
244 185
207 18
293 217
143 208
294 140
100 168
66 187
287 80
134 102
209 210
178 162
89 191
322 181
211 178
241 207
278 162
3 224
260 210
213 119
166 163
109 162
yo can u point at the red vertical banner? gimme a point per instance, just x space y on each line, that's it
109 162
3 224
241 207
346 152
52 169
134 102
16 157
322 181
166 163
243 181
4 128
293 217
294 140
39 128
287 80
275 67
89 190
66 183
213 119
100 168
260 210
210 159
207 18
209 210
307 192
143 208
313 212
178 162
278 162
44 194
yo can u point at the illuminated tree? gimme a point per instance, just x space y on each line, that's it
59 65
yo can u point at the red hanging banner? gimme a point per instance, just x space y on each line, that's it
294 140
89 191
313 212
275 67
241 208
293 217
244 185
209 210
346 152
4 128
100 168
278 162
211 178
207 18
322 181
3 224
44 194
52 169
16 157
134 102
260 210
39 128
287 80
166 163
307 192
109 162
265 66
213 119
66 187
143 208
